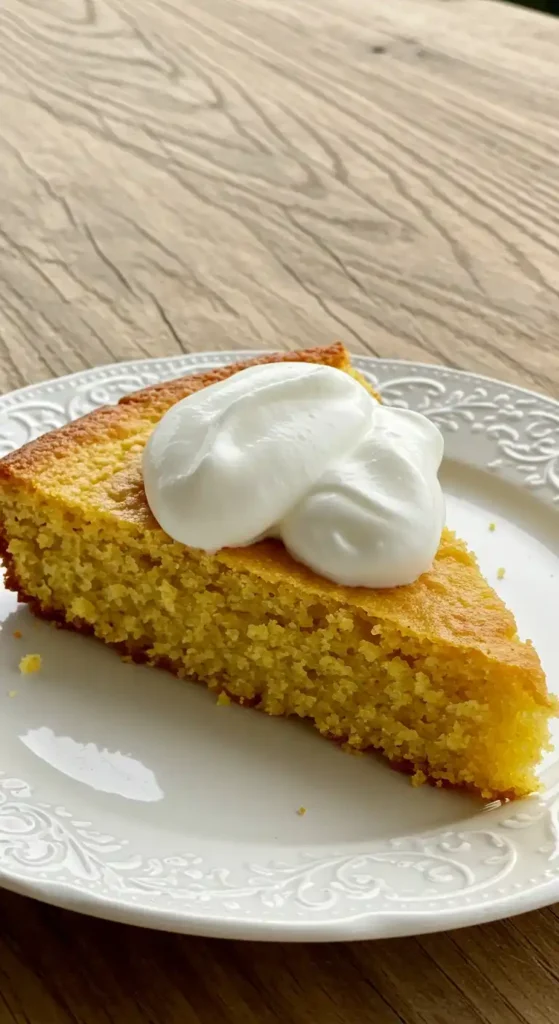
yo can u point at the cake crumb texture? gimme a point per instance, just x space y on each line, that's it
30 663
432 674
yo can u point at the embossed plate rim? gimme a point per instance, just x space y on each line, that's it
348 904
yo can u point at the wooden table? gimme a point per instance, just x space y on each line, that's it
188 174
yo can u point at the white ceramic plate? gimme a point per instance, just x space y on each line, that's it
133 796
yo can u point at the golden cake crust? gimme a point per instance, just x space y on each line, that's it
149 403
451 603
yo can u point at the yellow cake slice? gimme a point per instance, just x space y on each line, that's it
433 674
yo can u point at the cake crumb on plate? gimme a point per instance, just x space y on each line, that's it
12 693
301 811
17 634
30 663
492 527
500 573
223 699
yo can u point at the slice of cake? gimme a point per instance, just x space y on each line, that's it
433 673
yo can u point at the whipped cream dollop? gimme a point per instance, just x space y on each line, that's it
304 453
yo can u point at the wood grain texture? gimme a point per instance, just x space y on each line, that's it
182 174
190 174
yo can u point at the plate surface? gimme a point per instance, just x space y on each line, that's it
130 795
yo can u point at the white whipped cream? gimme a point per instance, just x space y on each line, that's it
304 453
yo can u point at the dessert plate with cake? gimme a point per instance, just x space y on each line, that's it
362 546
